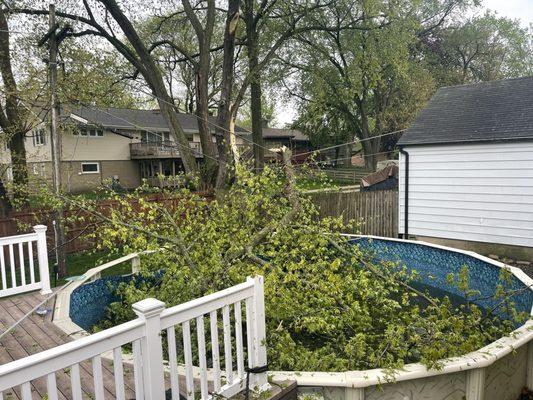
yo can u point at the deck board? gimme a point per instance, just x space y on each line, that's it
37 333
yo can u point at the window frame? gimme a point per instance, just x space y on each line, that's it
86 132
90 163
39 137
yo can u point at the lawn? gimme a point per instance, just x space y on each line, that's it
320 183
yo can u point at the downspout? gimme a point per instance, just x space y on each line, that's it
406 194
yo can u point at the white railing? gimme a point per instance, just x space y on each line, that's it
18 256
145 336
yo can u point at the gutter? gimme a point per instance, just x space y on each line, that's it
406 194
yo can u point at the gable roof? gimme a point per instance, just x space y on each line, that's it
279 133
132 119
488 111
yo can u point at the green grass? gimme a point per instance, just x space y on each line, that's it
77 264
313 184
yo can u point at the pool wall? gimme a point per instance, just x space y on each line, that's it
498 371
89 302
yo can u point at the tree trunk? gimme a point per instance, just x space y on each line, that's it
347 155
12 121
370 149
255 87
5 204
224 129
154 79
202 112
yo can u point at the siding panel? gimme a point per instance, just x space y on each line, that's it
470 192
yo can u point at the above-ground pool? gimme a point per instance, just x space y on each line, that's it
498 371
434 263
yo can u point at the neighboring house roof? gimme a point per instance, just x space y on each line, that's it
380 176
131 119
489 111
278 133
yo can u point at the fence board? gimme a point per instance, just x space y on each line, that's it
376 211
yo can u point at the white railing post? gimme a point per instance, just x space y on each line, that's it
151 348
42 257
259 380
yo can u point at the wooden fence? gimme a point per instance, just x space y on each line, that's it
377 211
78 229
348 175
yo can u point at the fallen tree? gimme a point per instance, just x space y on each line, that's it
329 304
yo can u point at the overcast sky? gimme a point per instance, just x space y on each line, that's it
516 9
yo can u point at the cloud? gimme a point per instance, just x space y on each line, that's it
516 9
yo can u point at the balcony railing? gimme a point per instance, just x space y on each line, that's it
162 149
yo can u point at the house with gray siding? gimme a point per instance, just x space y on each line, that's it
466 168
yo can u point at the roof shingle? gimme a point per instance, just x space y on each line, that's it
488 111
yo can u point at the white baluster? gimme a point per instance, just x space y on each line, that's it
25 390
200 331
228 356
98 378
189 382
137 370
75 382
30 260
173 362
238 339
118 372
12 266
215 350
22 266
51 386
3 268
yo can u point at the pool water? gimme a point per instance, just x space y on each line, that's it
433 265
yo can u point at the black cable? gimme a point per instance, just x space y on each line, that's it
253 370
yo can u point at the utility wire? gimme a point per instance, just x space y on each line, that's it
266 148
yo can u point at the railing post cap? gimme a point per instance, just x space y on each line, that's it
148 307
258 278
40 228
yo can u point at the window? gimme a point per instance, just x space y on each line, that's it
90 168
154 137
91 132
38 137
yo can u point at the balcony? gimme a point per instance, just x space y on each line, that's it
161 149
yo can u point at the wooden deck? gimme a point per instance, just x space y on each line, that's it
37 333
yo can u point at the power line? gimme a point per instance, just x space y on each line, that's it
352 142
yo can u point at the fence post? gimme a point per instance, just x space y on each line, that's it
42 258
151 348
259 380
